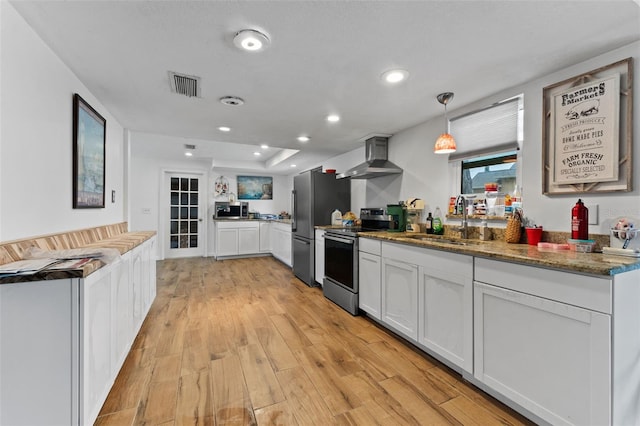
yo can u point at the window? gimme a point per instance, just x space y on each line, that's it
488 143
500 168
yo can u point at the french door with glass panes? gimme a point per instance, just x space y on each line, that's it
185 226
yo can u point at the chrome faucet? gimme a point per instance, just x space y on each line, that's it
464 228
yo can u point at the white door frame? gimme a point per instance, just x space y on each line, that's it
163 202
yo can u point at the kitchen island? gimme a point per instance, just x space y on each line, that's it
552 334
64 334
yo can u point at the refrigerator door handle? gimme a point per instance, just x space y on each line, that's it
293 211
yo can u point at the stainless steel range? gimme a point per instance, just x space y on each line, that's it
340 283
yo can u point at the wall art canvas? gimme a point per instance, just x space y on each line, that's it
89 139
255 187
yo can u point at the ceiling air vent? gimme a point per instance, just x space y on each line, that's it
182 84
189 146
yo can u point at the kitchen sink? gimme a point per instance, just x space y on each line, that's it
444 240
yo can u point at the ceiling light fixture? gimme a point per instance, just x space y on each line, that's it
445 143
293 165
395 76
231 101
251 40
264 146
257 154
333 118
224 129
188 154
304 138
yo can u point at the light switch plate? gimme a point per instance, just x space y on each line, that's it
593 214
146 210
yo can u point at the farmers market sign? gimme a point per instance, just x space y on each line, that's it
585 132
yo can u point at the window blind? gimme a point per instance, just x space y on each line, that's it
492 130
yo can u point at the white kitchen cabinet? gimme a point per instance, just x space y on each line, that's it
445 307
237 238
265 237
96 331
123 298
226 241
249 239
138 287
281 242
544 352
319 256
369 277
63 342
400 296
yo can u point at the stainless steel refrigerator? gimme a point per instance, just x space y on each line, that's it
315 196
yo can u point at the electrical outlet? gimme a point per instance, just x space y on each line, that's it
593 214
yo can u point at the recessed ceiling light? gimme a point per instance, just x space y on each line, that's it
231 101
224 129
257 154
293 165
394 76
188 154
303 138
251 40
264 146
333 118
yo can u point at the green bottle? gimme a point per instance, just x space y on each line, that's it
438 227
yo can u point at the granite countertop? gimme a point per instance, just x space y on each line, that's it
122 243
566 260
237 219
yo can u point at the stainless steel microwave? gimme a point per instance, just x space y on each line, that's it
227 210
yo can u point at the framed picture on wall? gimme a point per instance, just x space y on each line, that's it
587 132
255 188
89 139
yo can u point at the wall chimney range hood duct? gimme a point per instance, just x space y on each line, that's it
376 163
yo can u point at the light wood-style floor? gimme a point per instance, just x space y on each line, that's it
244 342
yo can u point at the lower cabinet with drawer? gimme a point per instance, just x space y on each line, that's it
423 294
543 340
236 238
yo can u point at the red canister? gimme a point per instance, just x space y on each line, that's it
579 221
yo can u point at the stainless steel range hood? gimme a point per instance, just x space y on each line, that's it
376 163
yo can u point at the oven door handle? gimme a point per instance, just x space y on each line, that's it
339 239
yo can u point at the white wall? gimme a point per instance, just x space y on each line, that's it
426 175
282 186
36 139
145 174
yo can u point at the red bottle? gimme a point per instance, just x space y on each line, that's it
579 221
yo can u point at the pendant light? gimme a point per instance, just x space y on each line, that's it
445 144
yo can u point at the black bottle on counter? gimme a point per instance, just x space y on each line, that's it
429 224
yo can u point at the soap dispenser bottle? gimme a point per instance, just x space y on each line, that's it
438 226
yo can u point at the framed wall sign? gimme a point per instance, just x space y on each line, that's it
255 188
587 126
89 139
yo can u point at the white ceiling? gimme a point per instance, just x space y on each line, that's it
325 57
